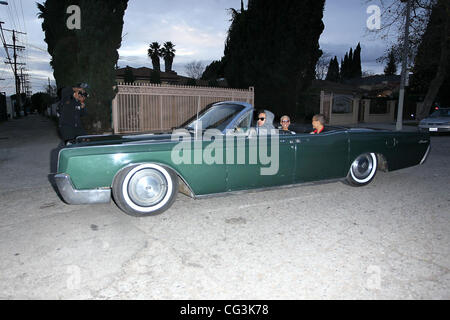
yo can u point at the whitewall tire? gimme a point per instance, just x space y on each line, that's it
363 169
145 189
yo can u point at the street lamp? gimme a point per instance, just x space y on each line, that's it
4 3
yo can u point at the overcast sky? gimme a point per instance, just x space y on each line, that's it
197 28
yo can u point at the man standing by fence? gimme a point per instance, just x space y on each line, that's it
71 108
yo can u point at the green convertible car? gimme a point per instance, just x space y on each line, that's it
219 151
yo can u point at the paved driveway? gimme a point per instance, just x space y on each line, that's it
389 240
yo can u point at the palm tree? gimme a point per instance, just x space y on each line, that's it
154 52
168 53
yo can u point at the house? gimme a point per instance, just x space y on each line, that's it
377 86
369 99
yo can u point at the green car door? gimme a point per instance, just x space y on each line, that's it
268 161
321 156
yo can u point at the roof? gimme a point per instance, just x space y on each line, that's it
372 86
336 87
373 80
143 73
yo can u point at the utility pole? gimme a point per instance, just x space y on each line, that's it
14 65
16 75
401 98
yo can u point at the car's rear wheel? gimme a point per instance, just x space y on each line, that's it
145 189
362 170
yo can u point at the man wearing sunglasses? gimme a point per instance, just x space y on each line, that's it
265 120
71 109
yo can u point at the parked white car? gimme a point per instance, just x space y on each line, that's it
438 121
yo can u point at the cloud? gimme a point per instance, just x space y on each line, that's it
198 28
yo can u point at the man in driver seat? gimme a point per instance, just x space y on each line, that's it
265 121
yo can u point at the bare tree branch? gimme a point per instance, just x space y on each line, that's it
195 69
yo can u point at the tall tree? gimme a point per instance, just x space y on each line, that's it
214 71
351 65
421 14
168 53
273 45
391 67
344 73
431 72
88 54
128 76
154 53
356 65
333 70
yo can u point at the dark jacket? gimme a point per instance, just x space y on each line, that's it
70 113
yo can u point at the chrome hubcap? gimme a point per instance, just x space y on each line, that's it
362 166
147 187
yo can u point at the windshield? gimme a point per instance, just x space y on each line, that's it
217 117
440 113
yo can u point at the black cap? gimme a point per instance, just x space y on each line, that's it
82 85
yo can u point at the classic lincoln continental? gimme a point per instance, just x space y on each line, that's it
219 151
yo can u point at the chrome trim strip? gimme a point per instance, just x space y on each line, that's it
426 155
74 196
262 189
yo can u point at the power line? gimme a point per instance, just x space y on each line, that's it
12 17
13 3
23 17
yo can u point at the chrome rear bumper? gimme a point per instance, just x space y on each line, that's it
75 196
426 155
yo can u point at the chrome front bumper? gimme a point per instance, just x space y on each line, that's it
75 196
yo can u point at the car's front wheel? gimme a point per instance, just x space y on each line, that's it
145 189
362 170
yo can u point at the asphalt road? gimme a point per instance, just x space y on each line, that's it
388 240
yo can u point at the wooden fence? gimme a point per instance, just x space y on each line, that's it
150 107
